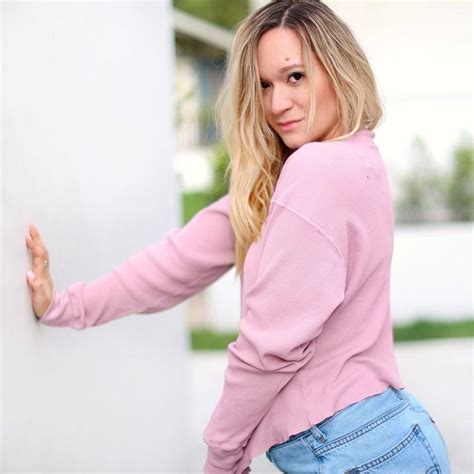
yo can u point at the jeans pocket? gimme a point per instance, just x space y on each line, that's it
420 408
412 453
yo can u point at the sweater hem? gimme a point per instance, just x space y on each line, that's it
261 446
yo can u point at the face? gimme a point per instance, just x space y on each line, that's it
285 90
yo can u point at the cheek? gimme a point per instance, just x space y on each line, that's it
302 98
326 94
267 108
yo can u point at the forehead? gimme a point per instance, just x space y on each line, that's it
277 48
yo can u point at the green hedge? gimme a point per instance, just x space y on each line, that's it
207 339
428 329
192 203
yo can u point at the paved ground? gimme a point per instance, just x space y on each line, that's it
438 372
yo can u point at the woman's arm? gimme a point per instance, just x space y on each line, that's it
300 282
159 277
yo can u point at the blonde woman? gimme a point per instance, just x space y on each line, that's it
312 380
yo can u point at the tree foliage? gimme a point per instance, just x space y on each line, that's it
220 162
460 182
223 13
421 187
428 194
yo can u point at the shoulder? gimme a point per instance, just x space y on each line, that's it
321 157
315 169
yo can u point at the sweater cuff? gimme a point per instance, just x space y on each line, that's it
223 462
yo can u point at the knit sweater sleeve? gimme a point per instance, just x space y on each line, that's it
299 284
159 277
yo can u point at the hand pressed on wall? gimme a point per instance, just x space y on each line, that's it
39 278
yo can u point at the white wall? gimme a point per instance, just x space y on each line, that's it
432 272
88 157
431 277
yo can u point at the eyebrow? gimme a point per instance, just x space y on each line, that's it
291 66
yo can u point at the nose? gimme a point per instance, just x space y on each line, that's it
281 100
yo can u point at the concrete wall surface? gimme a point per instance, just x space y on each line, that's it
87 156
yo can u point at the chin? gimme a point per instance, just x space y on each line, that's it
293 143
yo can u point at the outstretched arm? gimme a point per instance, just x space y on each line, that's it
299 284
159 277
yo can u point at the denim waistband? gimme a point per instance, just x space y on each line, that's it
389 402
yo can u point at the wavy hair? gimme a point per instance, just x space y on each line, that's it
257 153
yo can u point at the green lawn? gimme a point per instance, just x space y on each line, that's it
207 339
427 329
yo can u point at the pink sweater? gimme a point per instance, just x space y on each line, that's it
316 328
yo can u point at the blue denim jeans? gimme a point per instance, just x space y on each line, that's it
390 432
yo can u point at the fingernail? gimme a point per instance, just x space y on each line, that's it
31 274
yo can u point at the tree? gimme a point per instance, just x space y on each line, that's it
422 188
193 202
460 182
220 182
221 12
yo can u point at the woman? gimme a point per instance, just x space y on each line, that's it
312 379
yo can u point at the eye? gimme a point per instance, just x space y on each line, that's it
295 74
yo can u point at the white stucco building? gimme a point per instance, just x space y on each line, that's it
88 145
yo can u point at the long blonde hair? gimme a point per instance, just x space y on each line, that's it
256 151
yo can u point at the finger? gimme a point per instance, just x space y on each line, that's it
41 270
33 231
40 254
41 250
36 235
29 242
37 285
32 279
38 248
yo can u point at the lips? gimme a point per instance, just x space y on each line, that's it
282 124
288 126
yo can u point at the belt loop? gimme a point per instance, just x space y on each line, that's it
318 433
400 393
